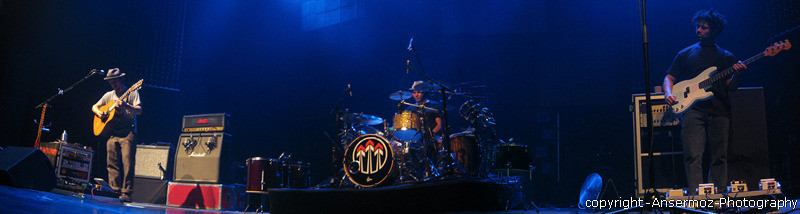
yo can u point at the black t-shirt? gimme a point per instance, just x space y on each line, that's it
429 116
696 58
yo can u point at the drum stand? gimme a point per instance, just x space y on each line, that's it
449 164
417 167
518 186
263 198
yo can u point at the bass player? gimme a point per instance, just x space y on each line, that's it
705 126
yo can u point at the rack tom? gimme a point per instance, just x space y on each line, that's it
407 126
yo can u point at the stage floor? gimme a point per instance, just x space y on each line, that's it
19 200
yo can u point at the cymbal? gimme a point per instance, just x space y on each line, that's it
449 108
370 120
360 118
427 87
400 95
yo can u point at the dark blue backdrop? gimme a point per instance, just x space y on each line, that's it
278 67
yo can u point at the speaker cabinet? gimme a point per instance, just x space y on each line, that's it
27 168
748 153
202 157
154 161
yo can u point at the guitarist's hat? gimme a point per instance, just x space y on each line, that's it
114 73
423 86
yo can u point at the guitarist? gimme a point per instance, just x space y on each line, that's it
120 146
705 125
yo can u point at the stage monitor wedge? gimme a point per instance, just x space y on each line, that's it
26 167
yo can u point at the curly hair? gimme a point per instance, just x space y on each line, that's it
716 21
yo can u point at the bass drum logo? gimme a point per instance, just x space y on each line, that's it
369 160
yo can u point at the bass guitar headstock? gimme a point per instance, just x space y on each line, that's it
777 48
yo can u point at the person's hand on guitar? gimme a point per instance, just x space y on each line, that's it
101 115
739 66
122 104
667 87
670 99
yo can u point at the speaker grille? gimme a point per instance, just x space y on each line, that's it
148 159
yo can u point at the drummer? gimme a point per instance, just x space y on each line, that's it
432 119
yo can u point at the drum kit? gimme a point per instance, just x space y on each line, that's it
404 152
264 173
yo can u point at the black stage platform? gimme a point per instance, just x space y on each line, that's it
437 196
18 200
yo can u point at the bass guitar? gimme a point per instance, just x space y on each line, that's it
103 125
690 91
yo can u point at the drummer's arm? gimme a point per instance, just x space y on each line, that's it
438 125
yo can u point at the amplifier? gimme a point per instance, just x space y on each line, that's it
70 161
206 122
205 196
202 157
662 114
154 161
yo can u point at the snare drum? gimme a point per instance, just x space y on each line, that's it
407 126
262 174
465 149
370 160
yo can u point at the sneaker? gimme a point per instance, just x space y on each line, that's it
125 197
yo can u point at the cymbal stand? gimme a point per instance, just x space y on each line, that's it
423 164
343 134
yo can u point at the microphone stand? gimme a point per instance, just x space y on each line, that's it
336 111
444 90
651 193
335 108
44 104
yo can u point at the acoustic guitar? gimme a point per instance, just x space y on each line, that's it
103 125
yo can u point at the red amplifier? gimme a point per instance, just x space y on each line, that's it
206 196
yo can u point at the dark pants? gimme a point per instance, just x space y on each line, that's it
120 162
702 132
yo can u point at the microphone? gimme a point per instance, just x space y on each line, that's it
411 44
98 71
408 65
349 90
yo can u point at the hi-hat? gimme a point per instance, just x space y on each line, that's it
400 95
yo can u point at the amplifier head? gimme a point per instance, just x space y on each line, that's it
206 122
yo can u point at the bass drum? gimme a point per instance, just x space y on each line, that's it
370 160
